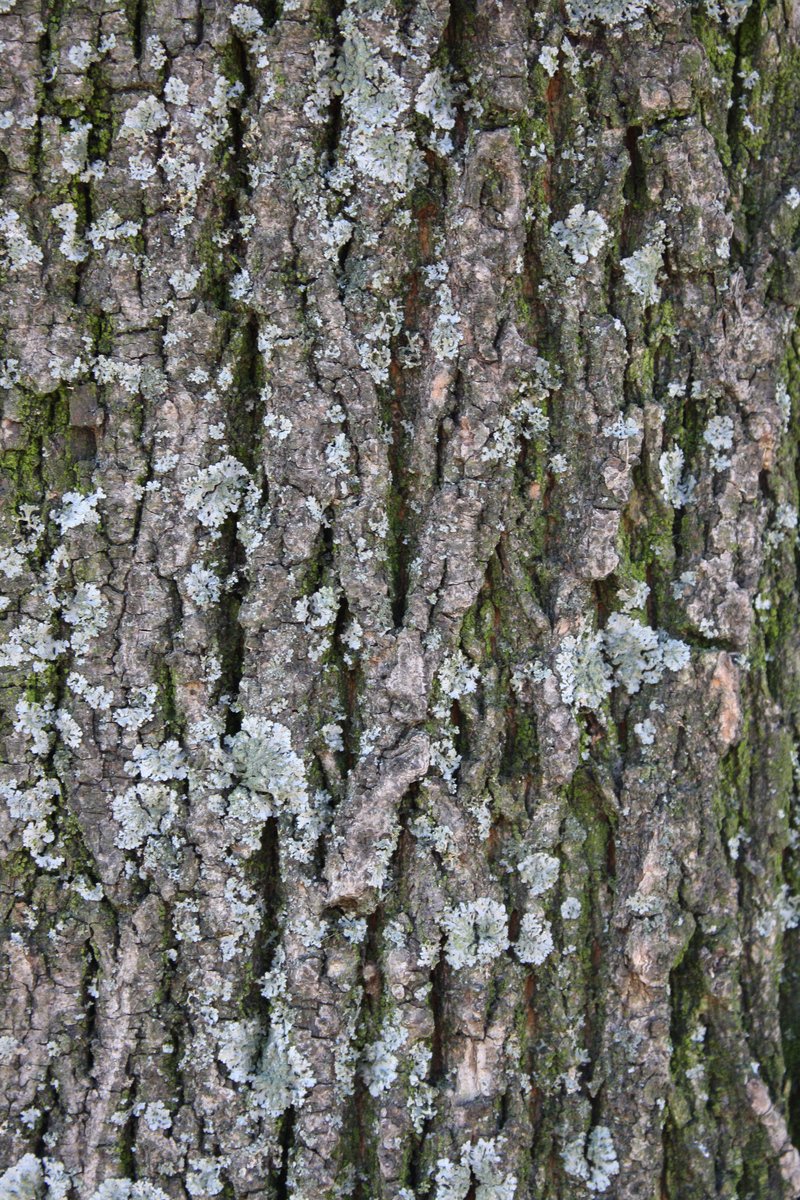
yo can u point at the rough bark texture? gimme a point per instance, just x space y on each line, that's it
399 654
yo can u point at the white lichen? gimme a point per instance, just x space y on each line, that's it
203 586
548 59
675 490
204 1177
457 677
141 709
142 812
477 932
216 492
436 100
592 1160
20 252
379 1061
481 1162
159 763
87 613
24 1180
609 12
641 269
145 117
379 145
627 653
540 871
718 434
421 1102
535 941
583 234
446 336
72 246
584 674
645 731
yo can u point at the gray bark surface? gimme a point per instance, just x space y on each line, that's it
398 649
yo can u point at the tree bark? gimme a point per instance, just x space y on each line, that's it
399 645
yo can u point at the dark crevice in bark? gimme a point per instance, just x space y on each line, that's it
137 11
462 740
89 983
415 1176
333 126
231 638
244 418
737 92
790 1028
349 679
687 1005
635 186
46 81
447 427
265 871
403 401
173 1059
126 1140
286 1142
521 752
458 42
438 1001
362 1129
172 719
47 1094
749 172
98 144
238 180
399 533
634 192
269 10
590 807
759 874
199 23
604 598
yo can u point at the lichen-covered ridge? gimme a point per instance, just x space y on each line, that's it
398 638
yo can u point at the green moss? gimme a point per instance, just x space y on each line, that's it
708 1107
732 786
20 870
42 464
521 746
719 48
164 678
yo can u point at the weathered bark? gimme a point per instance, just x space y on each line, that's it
400 662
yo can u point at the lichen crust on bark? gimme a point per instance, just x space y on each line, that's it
399 615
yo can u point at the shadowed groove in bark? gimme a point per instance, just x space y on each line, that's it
687 1002
244 416
329 27
400 534
286 1141
362 1133
136 11
266 874
458 41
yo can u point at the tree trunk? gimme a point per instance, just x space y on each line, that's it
399 644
